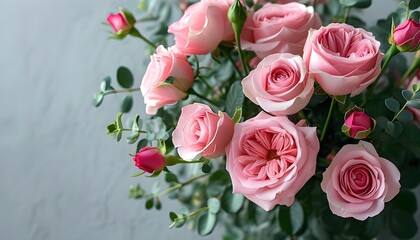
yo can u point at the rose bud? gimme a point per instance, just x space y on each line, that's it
357 124
122 22
406 36
149 159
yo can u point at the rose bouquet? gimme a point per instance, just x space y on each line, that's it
276 118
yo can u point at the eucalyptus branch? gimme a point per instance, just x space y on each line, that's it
121 91
180 185
346 14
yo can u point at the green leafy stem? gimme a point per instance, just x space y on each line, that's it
180 185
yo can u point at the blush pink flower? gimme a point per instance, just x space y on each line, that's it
202 27
357 125
270 159
280 84
149 159
359 182
342 59
278 28
406 36
166 80
202 132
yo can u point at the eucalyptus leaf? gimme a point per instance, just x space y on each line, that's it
150 202
98 97
171 177
392 104
206 168
414 4
125 77
407 94
356 3
402 224
206 223
217 183
405 116
127 104
292 218
214 205
106 84
231 202
414 103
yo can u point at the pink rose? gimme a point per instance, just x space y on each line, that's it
359 182
166 80
357 125
342 59
202 132
278 28
280 84
149 159
270 159
407 36
202 27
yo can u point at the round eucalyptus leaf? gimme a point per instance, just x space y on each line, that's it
292 218
125 77
127 104
206 223
231 202
214 205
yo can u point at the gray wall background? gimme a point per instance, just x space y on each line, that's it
61 177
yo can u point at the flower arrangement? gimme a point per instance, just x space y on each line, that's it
276 118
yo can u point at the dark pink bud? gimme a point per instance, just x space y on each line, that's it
357 125
149 159
407 36
118 22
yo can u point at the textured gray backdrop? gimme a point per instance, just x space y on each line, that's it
61 177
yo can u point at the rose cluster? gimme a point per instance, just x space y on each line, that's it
272 155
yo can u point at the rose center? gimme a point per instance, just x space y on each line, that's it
272 154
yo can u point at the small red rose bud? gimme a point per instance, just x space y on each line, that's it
122 22
149 159
407 36
357 124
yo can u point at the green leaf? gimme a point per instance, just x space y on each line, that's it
170 177
292 218
173 160
214 205
356 3
410 177
136 125
333 222
407 94
155 188
158 204
406 200
119 135
207 166
150 202
237 115
414 4
231 202
217 183
381 121
106 84
111 129
98 97
340 99
155 174
178 220
405 116
415 15
416 87
125 77
206 223
173 216
414 104
234 99
392 104
133 138
373 226
402 224
141 144
126 104
390 127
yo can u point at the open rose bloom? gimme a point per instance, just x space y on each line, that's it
279 28
270 159
342 59
165 64
359 182
280 84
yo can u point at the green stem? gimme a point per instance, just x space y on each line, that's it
180 185
130 130
415 65
204 81
392 51
121 91
135 33
241 53
327 121
229 57
193 92
346 14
